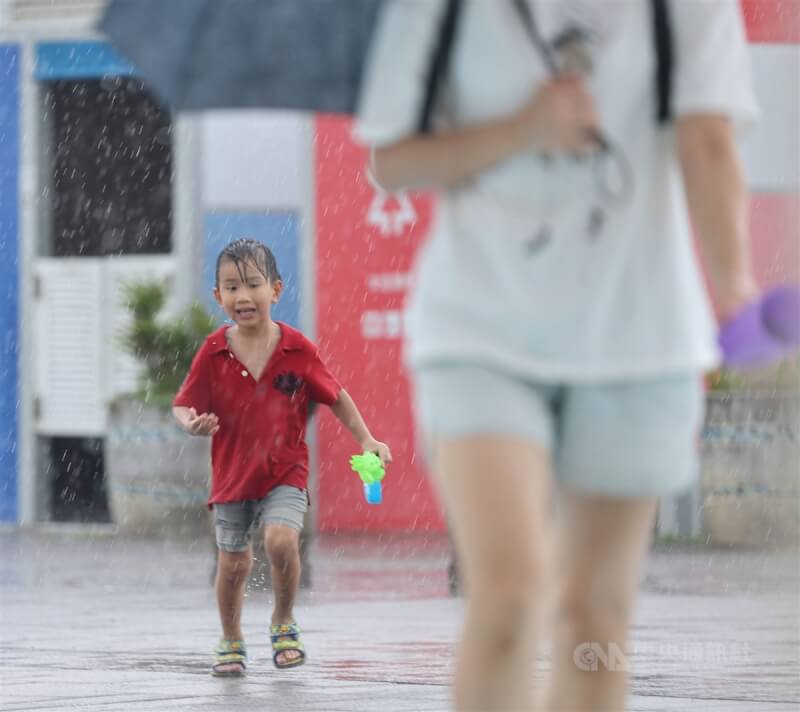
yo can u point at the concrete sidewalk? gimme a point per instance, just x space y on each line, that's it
104 623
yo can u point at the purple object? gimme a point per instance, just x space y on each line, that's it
782 314
763 332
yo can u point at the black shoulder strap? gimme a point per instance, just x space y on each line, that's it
662 39
439 62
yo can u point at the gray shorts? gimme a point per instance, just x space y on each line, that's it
627 439
236 522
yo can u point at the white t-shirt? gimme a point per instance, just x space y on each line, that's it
529 267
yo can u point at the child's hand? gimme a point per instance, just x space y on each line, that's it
204 424
379 448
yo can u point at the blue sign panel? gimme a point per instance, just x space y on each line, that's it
79 60
280 231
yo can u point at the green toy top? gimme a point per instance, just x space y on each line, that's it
368 467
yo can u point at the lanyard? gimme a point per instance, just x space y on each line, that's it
529 22
611 160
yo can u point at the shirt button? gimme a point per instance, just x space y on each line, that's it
245 374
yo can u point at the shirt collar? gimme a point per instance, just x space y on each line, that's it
291 339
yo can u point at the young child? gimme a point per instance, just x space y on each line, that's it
249 388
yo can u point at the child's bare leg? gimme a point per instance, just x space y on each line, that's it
282 545
601 545
495 489
233 570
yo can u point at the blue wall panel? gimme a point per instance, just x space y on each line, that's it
280 231
10 56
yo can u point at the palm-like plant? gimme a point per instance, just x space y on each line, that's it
165 348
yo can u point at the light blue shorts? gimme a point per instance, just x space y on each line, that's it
627 439
236 522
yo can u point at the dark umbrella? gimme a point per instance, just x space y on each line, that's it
205 54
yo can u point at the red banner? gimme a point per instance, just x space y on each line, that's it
772 21
365 246
775 237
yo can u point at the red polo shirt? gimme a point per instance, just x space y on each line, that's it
260 443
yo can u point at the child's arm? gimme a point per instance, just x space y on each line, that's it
346 411
717 198
188 420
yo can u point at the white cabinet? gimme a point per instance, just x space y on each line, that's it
79 312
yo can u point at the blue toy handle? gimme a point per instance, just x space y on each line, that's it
373 493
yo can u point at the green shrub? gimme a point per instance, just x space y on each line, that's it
784 376
164 348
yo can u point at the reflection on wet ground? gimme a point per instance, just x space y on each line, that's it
95 622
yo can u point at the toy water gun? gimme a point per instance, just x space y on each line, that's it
371 471
764 331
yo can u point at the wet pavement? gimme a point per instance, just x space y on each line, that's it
96 622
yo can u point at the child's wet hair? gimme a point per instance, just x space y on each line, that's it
247 251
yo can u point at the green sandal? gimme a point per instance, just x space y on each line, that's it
286 637
229 654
